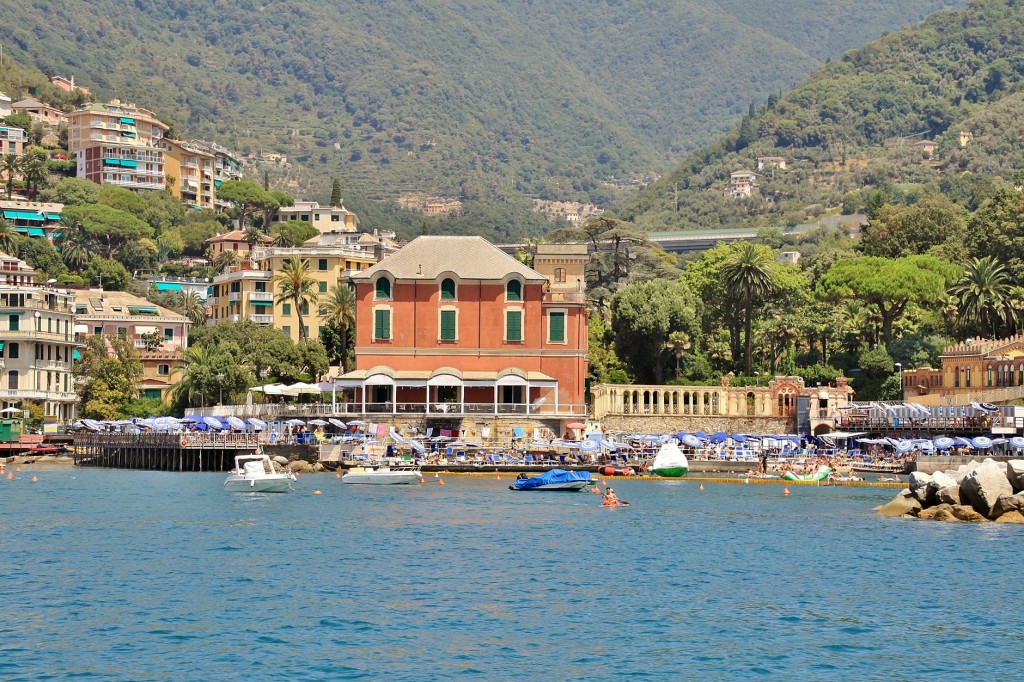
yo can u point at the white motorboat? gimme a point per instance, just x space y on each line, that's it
257 474
383 475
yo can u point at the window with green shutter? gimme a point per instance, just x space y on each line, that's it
448 325
322 264
556 327
514 325
514 290
323 287
381 324
286 309
382 289
448 289
305 308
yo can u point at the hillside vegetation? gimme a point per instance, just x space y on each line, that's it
855 123
481 99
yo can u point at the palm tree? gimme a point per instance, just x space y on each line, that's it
34 170
193 308
748 274
678 343
8 237
76 246
10 166
983 293
296 285
339 311
226 259
198 376
254 236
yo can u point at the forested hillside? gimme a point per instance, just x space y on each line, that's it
860 121
545 98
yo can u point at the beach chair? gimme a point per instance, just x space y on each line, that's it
528 459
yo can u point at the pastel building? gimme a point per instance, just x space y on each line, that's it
159 334
118 144
37 344
191 168
39 111
323 218
452 329
12 140
33 218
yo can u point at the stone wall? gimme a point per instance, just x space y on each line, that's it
652 423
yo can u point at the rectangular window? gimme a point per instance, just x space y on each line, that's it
152 393
168 333
305 309
286 309
122 332
12 380
13 351
163 370
261 287
97 330
448 325
381 324
323 287
322 264
556 327
14 323
513 325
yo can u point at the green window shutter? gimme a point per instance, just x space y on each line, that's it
514 325
383 289
286 309
323 287
448 290
322 264
447 325
381 324
556 327
305 309
514 291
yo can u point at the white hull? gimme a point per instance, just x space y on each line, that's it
240 484
382 477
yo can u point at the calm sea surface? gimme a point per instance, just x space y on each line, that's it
121 575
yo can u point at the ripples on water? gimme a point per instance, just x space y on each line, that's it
118 575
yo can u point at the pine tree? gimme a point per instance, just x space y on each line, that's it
336 193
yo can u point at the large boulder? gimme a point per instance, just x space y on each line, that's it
940 479
282 460
300 466
1015 473
983 486
920 486
1008 503
964 512
931 512
945 514
902 504
948 495
1011 517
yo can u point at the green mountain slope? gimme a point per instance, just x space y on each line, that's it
855 123
477 98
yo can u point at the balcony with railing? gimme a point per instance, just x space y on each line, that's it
235 296
262 319
261 296
13 394
32 334
446 410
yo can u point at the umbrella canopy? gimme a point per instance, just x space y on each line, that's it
357 422
337 422
235 423
964 442
318 422
944 442
1017 441
10 410
739 438
701 435
903 446
575 425
258 423
691 440
982 442
718 437
213 422
589 445
417 446
295 422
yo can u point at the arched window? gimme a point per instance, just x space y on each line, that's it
448 289
514 290
382 292
989 377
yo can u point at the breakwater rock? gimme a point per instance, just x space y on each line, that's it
976 491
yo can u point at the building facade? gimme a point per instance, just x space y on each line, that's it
323 218
33 218
37 342
188 170
38 111
454 327
119 144
12 140
970 369
160 335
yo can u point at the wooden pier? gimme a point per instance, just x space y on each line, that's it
195 451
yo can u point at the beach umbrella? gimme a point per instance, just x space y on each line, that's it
589 445
691 440
11 410
701 435
925 445
903 446
337 422
295 422
1017 441
213 422
235 423
718 437
681 435
964 442
943 442
258 423
417 446
318 422
357 422
982 442
739 438
999 441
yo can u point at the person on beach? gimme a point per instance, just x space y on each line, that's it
610 498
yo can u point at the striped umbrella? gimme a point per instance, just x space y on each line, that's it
982 442
944 442
258 423
235 423
903 446
589 445
691 440
1017 442
337 422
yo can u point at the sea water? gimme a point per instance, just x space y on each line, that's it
125 575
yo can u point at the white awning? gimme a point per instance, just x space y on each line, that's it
145 329
81 329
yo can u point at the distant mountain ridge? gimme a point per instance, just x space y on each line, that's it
477 99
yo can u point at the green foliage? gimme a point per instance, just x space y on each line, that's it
292 232
194 236
268 354
108 273
603 365
109 227
897 231
146 407
109 378
643 315
39 254
73 192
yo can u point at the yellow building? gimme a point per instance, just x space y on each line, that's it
323 218
189 173
246 293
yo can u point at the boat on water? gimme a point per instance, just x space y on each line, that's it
820 475
383 475
256 473
555 479
670 462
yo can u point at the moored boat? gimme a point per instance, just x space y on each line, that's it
383 476
670 462
555 480
256 473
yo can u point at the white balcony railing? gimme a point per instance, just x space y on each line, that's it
261 296
262 319
235 296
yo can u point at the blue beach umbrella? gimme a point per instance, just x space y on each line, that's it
589 445
213 423
257 423
337 422
925 445
739 438
718 437
701 435
943 442
235 423
982 442
903 446
959 440
691 440
1017 442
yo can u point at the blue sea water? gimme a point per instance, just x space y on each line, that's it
124 575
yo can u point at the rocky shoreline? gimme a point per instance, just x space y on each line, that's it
976 491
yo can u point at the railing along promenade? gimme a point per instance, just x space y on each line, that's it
273 410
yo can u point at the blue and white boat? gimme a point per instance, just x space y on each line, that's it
555 479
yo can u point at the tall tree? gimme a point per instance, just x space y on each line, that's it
297 286
644 314
245 195
35 172
193 308
983 295
8 237
339 311
76 246
748 275
10 166
110 373
336 193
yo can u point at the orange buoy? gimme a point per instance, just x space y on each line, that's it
18 469
785 491
702 486
497 478
595 490
422 481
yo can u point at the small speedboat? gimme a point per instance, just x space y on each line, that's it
257 474
383 476
554 479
